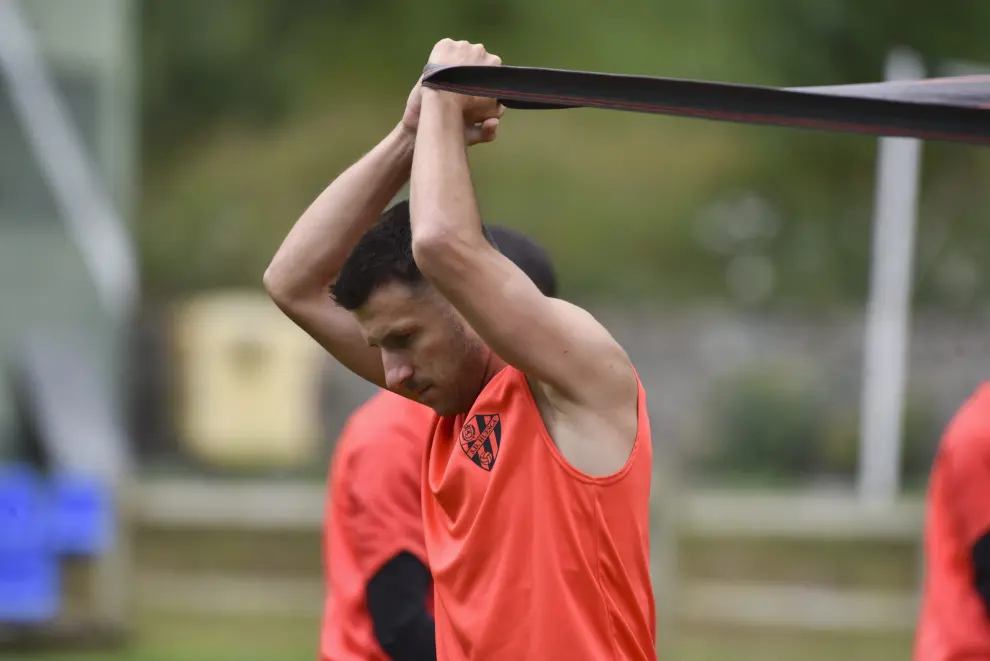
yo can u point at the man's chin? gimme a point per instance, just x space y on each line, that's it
448 409
444 411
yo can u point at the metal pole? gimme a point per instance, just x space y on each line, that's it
889 305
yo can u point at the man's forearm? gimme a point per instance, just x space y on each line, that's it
318 244
442 199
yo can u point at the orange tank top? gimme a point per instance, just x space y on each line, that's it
531 558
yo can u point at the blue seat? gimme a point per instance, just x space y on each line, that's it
23 515
30 589
81 520
42 519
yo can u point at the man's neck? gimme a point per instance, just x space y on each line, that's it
494 366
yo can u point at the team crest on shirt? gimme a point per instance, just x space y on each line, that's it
480 438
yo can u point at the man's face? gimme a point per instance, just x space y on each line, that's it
429 353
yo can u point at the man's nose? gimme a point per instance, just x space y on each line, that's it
397 371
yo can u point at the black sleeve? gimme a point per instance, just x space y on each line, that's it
396 597
981 566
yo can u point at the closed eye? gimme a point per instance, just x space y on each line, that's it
397 341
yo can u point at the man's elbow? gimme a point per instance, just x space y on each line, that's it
279 286
441 256
274 283
432 253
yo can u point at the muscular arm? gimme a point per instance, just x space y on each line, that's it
558 344
312 254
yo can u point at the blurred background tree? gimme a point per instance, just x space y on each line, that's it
250 106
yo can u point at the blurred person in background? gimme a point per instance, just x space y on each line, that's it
955 610
539 466
378 585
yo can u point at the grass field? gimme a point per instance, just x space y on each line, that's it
168 636
295 639
209 639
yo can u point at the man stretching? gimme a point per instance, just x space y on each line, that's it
537 476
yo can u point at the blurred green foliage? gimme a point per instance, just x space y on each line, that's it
766 423
776 424
250 106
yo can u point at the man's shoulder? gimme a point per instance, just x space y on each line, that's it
514 387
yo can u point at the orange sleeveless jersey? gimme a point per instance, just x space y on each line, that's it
953 621
372 514
532 559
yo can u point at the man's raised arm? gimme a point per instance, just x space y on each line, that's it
556 343
311 256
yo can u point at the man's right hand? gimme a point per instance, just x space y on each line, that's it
448 52
474 133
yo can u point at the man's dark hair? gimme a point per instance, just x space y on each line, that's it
528 255
384 254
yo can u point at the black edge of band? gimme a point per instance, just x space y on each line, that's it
527 87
